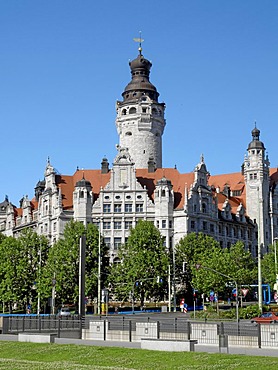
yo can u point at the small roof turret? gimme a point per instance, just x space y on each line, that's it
83 183
164 182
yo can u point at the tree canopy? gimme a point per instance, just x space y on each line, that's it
143 259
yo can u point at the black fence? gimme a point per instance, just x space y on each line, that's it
43 324
166 328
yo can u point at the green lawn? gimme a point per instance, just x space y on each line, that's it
17 355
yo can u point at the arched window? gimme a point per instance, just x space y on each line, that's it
124 112
132 110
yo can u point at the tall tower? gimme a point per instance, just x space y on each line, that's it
140 117
256 176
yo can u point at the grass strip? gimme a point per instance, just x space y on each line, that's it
31 356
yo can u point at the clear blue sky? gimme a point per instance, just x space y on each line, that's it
64 63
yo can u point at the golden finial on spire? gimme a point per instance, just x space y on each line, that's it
140 40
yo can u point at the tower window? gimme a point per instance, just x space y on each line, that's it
124 112
144 110
128 133
132 110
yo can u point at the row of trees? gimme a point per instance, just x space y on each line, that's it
29 267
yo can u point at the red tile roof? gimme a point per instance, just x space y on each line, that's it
180 182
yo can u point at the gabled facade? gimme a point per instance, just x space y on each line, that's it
231 207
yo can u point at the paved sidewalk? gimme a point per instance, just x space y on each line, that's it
238 350
198 347
100 343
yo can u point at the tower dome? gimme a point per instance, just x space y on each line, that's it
256 143
83 183
140 84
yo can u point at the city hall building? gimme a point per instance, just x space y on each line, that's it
231 207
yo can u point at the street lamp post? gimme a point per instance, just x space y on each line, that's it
260 288
260 293
174 279
275 240
99 269
82 257
169 287
39 278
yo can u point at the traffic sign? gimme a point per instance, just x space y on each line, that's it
244 291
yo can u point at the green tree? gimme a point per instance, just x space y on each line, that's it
241 265
63 263
143 260
10 261
268 267
219 269
192 250
20 264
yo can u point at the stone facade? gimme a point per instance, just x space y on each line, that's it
231 207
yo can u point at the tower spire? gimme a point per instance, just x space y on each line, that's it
139 40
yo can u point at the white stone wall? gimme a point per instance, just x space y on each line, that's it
141 132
